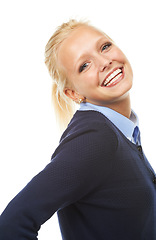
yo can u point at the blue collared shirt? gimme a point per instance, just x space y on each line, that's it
129 127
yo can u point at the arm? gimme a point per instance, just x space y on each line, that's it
76 168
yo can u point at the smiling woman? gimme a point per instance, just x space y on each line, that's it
87 62
99 180
91 63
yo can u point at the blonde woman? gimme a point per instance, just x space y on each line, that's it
99 180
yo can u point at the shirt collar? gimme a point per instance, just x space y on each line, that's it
125 125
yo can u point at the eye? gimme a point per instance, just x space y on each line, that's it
106 46
82 67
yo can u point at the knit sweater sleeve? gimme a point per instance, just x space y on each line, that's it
77 166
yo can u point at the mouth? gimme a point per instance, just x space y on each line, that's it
113 77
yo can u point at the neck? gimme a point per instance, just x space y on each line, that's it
123 106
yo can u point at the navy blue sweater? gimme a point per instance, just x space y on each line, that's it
100 183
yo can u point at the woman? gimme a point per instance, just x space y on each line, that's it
99 180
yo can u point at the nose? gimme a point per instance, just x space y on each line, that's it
103 62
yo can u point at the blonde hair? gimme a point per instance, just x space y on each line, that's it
63 105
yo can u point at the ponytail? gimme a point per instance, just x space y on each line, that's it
64 107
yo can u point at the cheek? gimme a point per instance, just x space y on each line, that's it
87 80
91 77
119 56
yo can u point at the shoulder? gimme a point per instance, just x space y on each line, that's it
91 127
88 120
89 116
89 142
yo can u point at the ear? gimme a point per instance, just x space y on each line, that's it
73 94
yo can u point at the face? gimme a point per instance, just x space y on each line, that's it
96 69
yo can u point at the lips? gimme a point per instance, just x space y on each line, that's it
113 77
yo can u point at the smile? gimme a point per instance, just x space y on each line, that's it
113 78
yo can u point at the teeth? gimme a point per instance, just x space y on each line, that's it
112 76
114 79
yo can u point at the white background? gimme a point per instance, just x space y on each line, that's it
28 131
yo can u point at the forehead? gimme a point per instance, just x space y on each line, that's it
81 41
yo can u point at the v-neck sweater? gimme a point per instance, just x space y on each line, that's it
99 182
